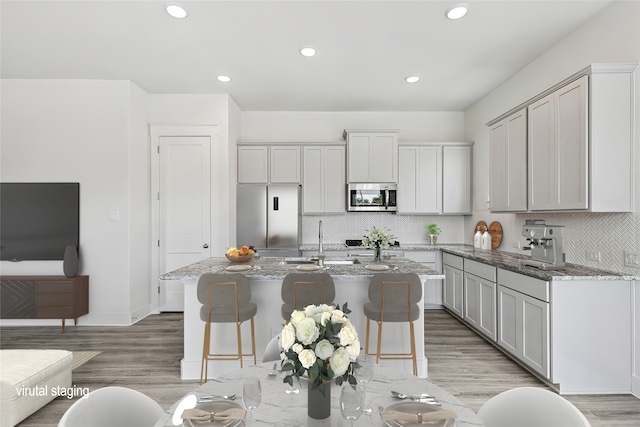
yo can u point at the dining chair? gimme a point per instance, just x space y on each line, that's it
393 297
302 289
272 350
225 298
112 406
530 407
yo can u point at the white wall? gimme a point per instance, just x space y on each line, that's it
81 131
288 126
595 42
139 207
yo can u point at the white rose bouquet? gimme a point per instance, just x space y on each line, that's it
321 341
378 237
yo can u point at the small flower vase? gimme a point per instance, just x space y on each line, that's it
376 254
318 404
433 239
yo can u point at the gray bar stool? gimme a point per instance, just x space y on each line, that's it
225 298
302 289
394 297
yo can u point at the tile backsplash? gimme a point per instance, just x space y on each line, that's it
406 228
608 233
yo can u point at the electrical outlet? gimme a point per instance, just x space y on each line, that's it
593 256
631 259
515 244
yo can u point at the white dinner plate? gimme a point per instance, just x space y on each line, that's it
215 407
307 267
414 408
238 267
377 267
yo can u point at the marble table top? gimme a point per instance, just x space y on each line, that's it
278 408
274 268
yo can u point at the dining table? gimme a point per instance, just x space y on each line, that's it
279 408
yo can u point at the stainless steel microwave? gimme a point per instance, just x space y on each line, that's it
372 197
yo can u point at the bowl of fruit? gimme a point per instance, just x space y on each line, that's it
244 254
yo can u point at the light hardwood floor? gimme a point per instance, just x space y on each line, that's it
146 356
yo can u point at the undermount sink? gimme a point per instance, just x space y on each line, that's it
341 261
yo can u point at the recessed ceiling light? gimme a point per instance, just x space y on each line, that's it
224 79
457 11
308 51
412 79
176 10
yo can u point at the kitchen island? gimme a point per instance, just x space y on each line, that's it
265 277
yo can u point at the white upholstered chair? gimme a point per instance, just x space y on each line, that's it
112 406
531 407
272 350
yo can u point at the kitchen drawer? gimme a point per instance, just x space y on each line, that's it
527 285
453 260
422 256
479 269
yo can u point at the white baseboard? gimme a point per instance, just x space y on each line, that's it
635 386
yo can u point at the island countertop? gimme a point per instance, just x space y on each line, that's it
275 268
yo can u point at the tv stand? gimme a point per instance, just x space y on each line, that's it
44 297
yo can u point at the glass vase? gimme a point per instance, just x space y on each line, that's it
376 254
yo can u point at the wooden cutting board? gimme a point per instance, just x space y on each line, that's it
495 230
480 224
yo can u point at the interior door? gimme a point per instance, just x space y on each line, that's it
185 210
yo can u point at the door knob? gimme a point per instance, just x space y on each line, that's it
205 246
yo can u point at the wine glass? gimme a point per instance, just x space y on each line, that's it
251 394
351 402
364 374
294 388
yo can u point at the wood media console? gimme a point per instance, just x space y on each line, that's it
44 297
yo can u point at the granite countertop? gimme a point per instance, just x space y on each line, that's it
511 261
274 268
343 247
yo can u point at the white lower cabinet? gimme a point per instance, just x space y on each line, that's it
480 297
452 297
523 319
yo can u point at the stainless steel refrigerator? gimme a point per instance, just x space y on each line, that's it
268 217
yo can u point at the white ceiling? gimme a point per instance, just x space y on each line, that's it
365 48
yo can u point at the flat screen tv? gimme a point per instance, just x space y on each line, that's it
38 220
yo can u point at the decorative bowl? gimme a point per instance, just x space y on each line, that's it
239 258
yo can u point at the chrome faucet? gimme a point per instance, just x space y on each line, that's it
320 249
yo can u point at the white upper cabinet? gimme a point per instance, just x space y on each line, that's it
434 178
253 164
508 157
372 156
579 146
269 164
419 179
557 147
456 179
284 167
324 179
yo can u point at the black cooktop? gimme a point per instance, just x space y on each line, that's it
358 242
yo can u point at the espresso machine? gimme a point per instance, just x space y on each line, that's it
546 245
